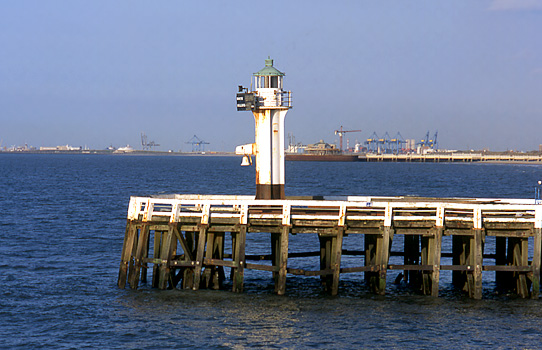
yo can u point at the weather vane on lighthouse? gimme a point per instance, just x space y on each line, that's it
269 103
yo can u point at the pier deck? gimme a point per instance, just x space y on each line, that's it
459 157
189 232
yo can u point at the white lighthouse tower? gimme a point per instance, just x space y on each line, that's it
269 103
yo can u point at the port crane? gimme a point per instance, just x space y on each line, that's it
396 143
385 144
198 145
147 146
341 132
372 143
427 142
433 142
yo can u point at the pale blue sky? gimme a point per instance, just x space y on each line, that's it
97 73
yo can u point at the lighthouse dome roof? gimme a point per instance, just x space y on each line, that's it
268 70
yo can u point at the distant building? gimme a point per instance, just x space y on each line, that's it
126 149
410 144
61 148
295 148
322 148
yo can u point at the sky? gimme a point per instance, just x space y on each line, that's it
99 73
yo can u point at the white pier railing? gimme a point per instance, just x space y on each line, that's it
385 209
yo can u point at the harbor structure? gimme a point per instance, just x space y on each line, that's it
269 103
454 157
182 240
190 240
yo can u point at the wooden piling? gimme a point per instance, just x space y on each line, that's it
189 247
157 248
282 262
519 250
126 256
383 244
144 264
131 265
140 253
218 253
371 273
502 278
426 257
207 274
328 248
239 259
166 253
437 250
431 252
537 246
476 261
325 260
336 255
202 240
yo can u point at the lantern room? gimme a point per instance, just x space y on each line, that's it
268 77
266 91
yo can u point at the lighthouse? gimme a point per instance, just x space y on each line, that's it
269 103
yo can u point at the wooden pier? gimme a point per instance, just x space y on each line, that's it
454 157
182 238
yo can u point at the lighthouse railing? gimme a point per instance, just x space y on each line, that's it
284 99
274 99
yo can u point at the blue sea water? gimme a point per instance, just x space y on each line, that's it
61 234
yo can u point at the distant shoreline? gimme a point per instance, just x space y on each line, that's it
122 153
463 158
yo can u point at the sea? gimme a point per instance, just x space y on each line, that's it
62 224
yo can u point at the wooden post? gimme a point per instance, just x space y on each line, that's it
524 262
476 262
501 277
520 258
218 249
537 246
131 265
426 260
275 255
156 254
336 255
188 244
371 277
325 260
233 245
239 258
382 258
208 272
165 256
326 243
436 252
144 266
431 252
202 238
283 260
127 248
140 252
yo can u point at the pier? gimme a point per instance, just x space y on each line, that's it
453 157
441 157
191 241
